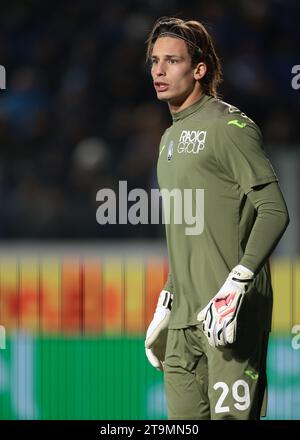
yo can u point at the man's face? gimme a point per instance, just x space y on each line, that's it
172 73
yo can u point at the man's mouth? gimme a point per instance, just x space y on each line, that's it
161 86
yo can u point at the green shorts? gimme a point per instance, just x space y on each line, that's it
203 382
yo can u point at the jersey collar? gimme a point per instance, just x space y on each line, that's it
178 116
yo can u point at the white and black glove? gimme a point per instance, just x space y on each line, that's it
156 336
220 315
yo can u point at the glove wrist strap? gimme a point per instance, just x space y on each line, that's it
241 274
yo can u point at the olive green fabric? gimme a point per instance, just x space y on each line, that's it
203 382
271 221
214 147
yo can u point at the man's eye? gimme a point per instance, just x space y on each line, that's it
153 62
173 61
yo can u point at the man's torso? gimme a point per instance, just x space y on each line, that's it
202 252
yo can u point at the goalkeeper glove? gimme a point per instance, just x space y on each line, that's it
156 336
220 315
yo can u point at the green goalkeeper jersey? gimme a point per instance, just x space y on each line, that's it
214 148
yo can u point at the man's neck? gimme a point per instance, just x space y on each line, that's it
190 100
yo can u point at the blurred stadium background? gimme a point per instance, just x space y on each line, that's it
79 114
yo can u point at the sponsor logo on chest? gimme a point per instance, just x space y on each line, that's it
191 141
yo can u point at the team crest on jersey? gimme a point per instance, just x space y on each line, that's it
170 150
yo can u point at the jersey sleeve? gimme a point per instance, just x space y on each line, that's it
271 222
239 151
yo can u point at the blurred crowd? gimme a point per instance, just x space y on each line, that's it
79 112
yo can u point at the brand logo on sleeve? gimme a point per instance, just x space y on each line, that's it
191 141
237 123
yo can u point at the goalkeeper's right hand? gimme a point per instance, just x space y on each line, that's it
156 336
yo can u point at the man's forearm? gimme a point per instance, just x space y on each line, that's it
271 222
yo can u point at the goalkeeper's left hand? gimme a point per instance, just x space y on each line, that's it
220 315
157 332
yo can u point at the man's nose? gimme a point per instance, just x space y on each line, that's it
160 69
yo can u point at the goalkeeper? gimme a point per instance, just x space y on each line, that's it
210 329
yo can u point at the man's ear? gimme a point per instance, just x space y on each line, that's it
200 71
